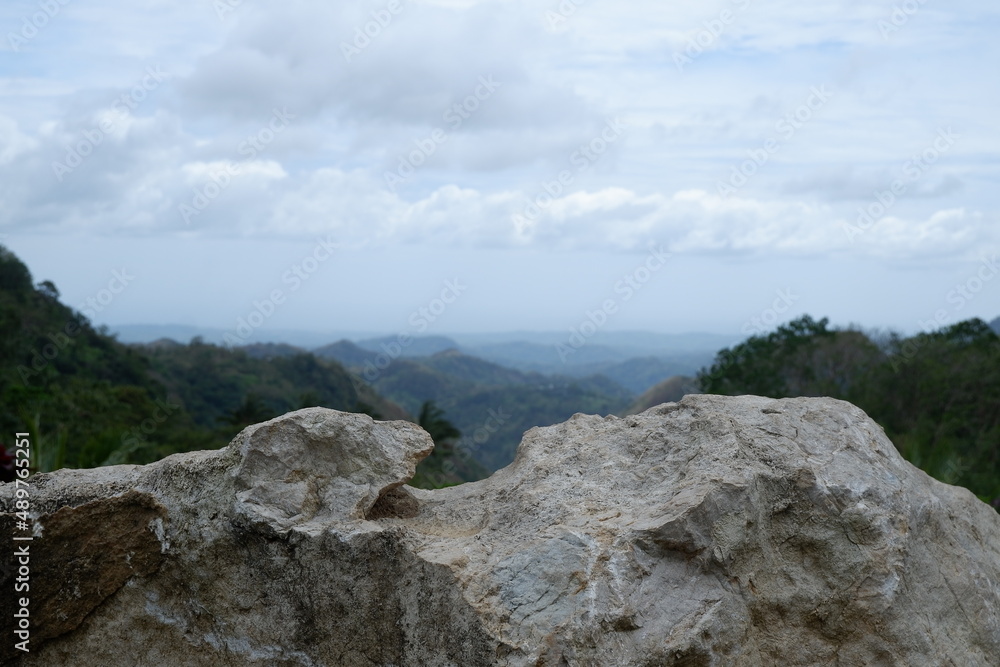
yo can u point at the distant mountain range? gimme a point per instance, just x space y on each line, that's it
635 341
493 387
635 360
492 405
182 333
91 399
494 401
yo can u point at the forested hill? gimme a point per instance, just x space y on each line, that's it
936 394
89 400
491 405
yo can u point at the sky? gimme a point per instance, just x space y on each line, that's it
436 166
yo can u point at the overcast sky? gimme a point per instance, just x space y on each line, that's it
504 165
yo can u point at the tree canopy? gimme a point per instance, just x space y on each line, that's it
936 394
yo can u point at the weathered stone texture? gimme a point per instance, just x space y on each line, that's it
711 532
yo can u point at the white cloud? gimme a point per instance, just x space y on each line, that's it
13 142
558 86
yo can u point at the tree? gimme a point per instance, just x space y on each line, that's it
770 365
14 275
251 411
438 469
47 288
432 420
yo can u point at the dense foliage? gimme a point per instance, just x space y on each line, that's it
446 466
73 387
936 394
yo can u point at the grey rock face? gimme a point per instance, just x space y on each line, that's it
715 531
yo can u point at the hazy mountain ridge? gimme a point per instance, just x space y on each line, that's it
636 360
272 350
414 346
148 333
462 366
491 404
640 374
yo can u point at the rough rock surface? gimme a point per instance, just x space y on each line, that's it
714 531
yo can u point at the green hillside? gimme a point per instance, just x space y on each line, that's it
88 400
213 383
75 389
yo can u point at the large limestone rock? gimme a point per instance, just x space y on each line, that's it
714 531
